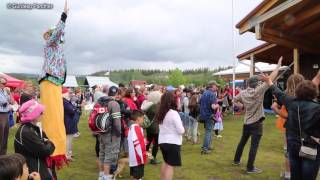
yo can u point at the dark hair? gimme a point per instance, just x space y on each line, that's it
11 166
128 92
136 114
193 103
121 85
306 90
167 102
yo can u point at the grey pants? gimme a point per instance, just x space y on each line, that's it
4 133
109 149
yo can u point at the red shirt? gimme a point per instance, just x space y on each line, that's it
130 103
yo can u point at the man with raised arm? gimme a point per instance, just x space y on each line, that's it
252 100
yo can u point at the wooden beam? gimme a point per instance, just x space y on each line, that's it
303 17
252 65
274 12
296 61
258 51
277 37
244 24
258 31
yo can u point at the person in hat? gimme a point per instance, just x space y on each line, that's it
208 105
110 141
31 141
52 77
252 100
70 122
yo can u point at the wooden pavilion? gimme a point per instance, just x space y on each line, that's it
291 29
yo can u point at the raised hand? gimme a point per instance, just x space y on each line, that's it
316 79
266 79
66 8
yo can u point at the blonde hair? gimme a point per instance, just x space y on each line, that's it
293 81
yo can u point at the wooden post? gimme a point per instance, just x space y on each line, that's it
296 61
252 65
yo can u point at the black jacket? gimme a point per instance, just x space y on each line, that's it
35 149
309 117
151 113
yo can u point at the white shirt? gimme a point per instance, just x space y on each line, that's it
171 129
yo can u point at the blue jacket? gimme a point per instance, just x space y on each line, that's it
207 99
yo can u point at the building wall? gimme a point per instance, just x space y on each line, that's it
307 61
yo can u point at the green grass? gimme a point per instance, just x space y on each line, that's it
215 166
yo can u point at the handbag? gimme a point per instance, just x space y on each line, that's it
306 152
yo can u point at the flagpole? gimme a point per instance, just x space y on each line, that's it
233 57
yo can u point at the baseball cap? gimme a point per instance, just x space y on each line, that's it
253 81
113 90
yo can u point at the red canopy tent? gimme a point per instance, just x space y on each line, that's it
12 82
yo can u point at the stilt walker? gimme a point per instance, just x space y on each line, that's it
52 77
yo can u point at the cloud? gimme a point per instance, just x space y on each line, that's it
124 34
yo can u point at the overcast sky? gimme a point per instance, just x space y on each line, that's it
123 34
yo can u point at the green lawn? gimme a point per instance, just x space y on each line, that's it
195 166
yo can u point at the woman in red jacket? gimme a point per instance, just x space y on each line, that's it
129 98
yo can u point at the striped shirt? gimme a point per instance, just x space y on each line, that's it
137 146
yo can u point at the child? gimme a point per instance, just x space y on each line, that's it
218 126
31 141
14 167
137 147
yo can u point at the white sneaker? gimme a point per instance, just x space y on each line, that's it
219 136
76 135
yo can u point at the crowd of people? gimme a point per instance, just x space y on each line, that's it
167 115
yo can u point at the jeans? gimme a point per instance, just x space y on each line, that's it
4 133
208 123
255 131
185 121
77 116
69 145
193 129
302 168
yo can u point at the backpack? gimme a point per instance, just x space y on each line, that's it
100 120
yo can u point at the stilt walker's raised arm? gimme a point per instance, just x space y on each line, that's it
57 32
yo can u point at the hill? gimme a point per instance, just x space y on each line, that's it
196 77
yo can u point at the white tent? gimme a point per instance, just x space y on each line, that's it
244 69
71 81
95 80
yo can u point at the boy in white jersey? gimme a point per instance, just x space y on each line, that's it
137 147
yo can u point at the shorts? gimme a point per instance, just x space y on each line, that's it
137 172
171 154
109 149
